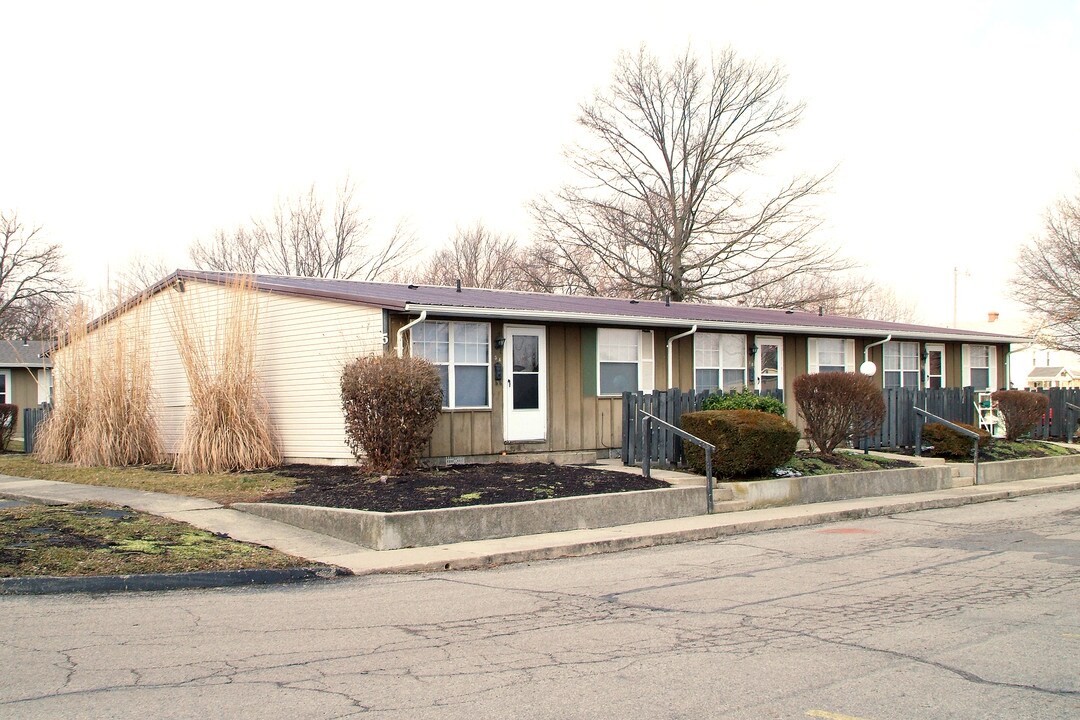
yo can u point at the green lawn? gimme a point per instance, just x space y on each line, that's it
223 488
101 539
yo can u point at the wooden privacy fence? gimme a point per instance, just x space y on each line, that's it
667 405
32 417
898 430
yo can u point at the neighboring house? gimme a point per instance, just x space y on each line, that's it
25 377
1052 377
532 374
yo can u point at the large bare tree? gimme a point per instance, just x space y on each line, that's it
1047 279
303 237
478 257
33 280
846 294
668 201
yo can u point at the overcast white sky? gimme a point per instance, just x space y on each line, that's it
136 128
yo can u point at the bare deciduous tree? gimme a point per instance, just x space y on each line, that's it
664 206
32 278
303 238
478 258
1047 278
849 295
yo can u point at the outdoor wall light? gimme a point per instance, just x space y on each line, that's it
499 342
752 350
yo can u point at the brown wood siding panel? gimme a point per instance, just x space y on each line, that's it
1002 376
24 394
954 371
461 437
575 400
440 437
556 387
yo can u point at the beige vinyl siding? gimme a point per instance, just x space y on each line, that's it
301 349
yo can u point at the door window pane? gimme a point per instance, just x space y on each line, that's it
770 355
526 392
526 353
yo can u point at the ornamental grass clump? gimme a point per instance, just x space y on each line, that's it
1021 410
391 406
103 410
838 407
748 442
228 424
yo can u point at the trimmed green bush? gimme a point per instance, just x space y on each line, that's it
948 443
745 399
838 407
391 405
748 442
1021 410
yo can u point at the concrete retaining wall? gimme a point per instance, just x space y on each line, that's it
1012 470
389 531
844 486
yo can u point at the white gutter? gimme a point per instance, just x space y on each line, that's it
401 332
600 319
670 342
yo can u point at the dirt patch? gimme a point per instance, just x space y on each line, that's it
98 539
454 486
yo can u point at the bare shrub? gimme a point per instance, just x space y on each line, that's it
1021 410
228 425
103 414
838 407
9 415
391 406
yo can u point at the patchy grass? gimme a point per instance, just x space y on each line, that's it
101 539
999 449
806 463
221 487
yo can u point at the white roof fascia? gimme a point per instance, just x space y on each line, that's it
601 319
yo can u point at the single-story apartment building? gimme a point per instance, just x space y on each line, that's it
529 375
25 378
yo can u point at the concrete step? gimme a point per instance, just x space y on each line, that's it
730 506
722 492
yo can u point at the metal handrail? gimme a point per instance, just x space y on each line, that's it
646 469
922 415
1072 411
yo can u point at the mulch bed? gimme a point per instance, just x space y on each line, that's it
454 486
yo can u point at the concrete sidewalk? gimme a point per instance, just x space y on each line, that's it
482 553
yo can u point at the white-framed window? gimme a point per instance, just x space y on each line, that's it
980 366
624 360
461 351
900 364
830 355
935 366
5 387
719 361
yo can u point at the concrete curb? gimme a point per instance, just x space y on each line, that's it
164 581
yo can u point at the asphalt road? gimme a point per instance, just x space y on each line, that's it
971 612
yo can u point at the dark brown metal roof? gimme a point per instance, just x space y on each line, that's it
508 303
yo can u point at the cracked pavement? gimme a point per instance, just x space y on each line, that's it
972 612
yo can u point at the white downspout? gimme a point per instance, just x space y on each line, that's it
670 343
401 332
867 365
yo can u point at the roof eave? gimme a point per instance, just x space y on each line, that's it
606 319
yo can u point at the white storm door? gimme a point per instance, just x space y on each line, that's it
769 363
935 366
525 388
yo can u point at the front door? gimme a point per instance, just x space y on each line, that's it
935 366
769 363
525 389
